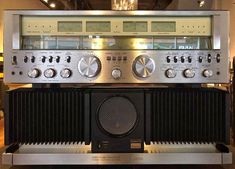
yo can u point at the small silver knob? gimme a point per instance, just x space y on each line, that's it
65 73
34 73
207 73
170 73
189 73
49 73
143 66
116 73
89 66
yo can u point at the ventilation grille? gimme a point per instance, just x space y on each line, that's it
190 115
44 116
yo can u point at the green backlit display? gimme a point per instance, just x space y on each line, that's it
159 26
69 26
135 26
98 26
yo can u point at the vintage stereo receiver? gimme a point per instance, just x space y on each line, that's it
116 47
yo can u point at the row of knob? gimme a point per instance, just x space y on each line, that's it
116 73
49 73
188 73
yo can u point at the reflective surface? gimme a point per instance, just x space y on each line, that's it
116 42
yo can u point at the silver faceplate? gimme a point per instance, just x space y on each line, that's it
16 69
79 154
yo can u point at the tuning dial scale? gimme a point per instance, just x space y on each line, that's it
89 66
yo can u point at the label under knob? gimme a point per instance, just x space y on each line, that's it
49 73
116 73
189 73
170 73
65 73
34 73
207 73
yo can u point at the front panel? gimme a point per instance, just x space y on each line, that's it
116 47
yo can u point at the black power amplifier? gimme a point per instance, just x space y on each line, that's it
117 120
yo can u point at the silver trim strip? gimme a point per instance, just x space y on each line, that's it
114 159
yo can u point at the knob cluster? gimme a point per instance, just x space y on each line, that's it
49 73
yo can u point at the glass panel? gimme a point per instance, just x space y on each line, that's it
32 42
187 43
116 42
164 43
68 43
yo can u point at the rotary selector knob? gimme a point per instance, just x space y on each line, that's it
207 73
116 73
170 73
89 66
65 73
189 73
143 66
49 73
34 73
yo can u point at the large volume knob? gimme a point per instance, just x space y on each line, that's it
49 73
89 66
207 73
189 73
143 66
34 73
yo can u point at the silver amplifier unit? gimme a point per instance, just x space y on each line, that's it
116 47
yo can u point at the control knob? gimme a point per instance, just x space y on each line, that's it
89 66
143 66
170 73
116 73
207 73
189 73
34 73
65 73
49 73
